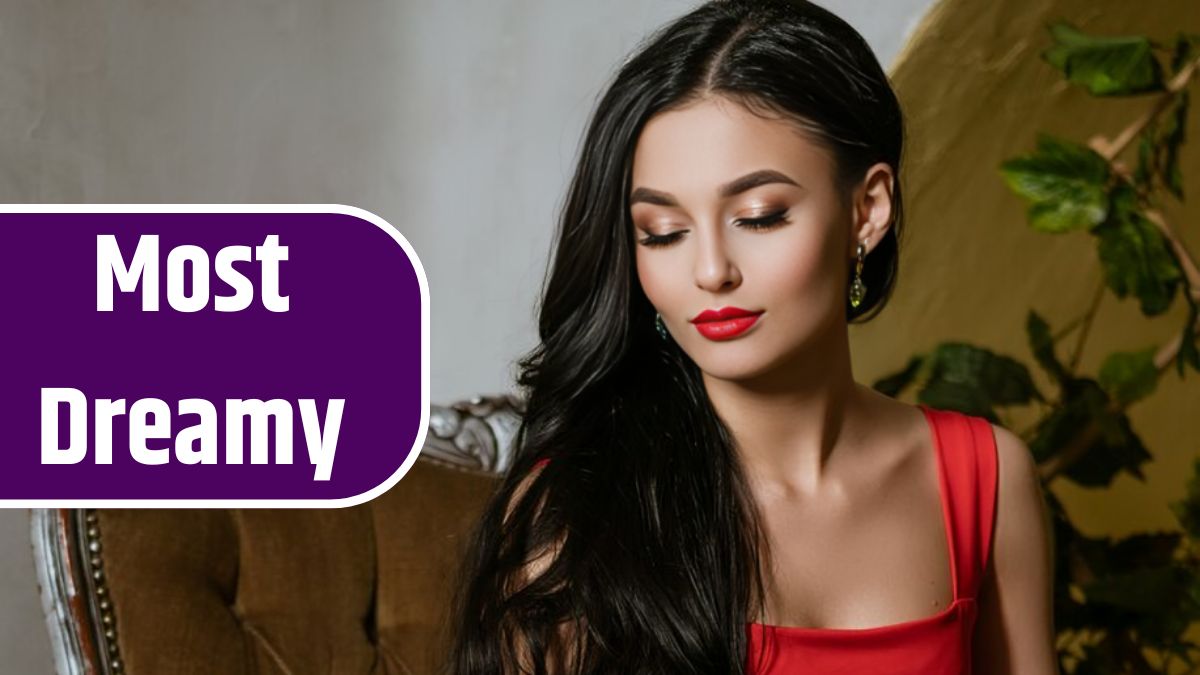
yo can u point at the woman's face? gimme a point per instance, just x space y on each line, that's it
732 210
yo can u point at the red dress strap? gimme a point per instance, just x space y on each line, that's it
967 452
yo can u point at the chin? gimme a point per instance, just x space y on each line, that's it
732 360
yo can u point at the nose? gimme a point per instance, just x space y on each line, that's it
715 269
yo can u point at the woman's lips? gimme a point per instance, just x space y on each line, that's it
725 323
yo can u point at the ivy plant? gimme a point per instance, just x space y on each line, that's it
1122 605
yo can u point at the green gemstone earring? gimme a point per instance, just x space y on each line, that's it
658 324
857 289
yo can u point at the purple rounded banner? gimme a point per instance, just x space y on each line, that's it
209 355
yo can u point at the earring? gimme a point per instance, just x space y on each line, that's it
857 289
662 327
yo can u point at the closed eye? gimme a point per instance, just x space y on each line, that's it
762 223
767 221
653 240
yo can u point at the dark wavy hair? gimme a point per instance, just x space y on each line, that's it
656 540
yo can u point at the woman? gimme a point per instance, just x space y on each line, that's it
700 486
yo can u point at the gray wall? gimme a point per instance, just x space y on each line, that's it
455 121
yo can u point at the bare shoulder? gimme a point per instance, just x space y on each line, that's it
1022 522
1016 463
1019 485
1016 633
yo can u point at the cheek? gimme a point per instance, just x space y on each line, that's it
795 266
659 276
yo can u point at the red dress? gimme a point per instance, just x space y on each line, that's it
934 645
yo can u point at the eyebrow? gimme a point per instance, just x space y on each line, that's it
733 187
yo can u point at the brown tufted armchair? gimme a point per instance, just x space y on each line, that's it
363 589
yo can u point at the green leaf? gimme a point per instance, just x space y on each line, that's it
1145 591
1101 658
964 398
1146 169
893 384
1065 183
1108 456
1136 257
1153 601
1104 65
973 380
1142 549
1188 354
1187 510
1041 342
1186 47
1172 139
1129 376
1117 449
1159 148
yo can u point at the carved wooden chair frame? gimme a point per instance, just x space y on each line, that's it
475 435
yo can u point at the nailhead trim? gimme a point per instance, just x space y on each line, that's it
95 570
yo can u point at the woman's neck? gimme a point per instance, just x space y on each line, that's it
794 423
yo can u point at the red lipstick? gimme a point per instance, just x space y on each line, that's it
725 323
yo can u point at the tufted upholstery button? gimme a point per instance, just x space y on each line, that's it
363 589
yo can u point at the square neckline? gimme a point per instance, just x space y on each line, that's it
955 600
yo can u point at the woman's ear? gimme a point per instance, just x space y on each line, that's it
873 207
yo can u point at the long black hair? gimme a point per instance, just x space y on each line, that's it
656 541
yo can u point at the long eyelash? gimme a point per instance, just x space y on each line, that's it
764 222
767 221
653 240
